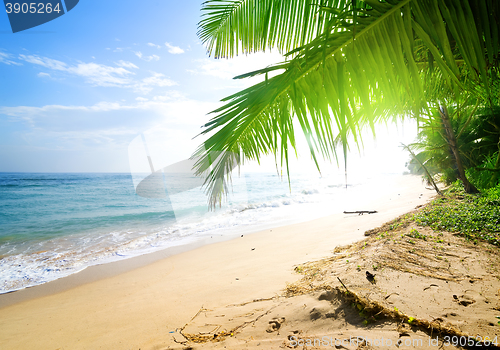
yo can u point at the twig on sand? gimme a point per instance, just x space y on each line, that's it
361 212
343 284
387 297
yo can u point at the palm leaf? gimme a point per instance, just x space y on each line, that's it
332 80
230 27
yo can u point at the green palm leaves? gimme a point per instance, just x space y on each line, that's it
477 133
348 64
230 27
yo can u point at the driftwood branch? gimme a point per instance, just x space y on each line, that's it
361 212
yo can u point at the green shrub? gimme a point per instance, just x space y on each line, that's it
484 179
473 216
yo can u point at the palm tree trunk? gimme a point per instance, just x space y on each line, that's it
429 176
452 142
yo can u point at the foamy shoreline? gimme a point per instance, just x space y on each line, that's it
138 302
120 225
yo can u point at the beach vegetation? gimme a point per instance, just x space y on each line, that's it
347 65
475 217
415 234
477 140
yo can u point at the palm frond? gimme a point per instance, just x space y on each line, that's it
231 27
335 82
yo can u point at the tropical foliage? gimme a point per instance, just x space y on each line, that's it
487 174
347 64
474 217
478 139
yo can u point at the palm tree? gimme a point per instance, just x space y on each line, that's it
422 167
348 64
477 137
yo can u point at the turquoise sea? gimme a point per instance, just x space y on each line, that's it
54 225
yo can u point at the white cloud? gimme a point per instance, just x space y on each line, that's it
107 106
227 69
171 95
154 45
44 62
171 103
156 80
98 74
43 75
147 58
126 64
5 58
27 111
94 126
174 49
103 75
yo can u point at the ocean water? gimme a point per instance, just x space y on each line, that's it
54 225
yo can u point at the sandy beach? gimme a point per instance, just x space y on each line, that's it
141 303
233 174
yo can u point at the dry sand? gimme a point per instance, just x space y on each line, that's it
148 307
426 294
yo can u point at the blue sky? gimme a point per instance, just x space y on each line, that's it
78 90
